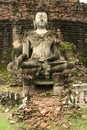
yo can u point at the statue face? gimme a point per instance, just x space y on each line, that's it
41 20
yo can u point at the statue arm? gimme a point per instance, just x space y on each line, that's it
59 54
57 42
25 49
18 60
55 52
25 52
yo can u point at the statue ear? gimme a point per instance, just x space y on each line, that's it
35 27
46 26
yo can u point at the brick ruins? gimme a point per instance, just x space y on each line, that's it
67 17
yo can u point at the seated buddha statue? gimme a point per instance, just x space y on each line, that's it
40 53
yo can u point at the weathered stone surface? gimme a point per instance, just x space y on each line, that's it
43 125
68 16
58 90
9 98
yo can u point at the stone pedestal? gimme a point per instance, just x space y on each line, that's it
58 90
28 86
28 90
58 84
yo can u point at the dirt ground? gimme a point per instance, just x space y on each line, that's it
45 111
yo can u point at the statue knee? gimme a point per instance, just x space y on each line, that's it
70 65
10 67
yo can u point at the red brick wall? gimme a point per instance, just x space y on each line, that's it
58 9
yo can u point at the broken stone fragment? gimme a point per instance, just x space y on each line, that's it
43 125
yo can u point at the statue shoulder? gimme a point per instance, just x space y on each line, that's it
52 33
54 36
28 33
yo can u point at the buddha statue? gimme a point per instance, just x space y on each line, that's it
40 54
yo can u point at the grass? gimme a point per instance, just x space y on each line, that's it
5 124
80 124
3 70
74 121
12 89
5 74
77 120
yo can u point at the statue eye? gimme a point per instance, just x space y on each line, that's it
38 17
45 16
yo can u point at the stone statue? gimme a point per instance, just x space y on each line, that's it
40 54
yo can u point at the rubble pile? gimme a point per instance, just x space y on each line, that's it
39 111
42 110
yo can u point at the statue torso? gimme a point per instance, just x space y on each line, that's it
41 44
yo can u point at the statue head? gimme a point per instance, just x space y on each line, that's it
41 18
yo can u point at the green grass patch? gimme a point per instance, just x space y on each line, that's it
11 89
74 121
5 124
3 70
77 120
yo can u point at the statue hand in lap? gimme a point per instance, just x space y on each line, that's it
17 64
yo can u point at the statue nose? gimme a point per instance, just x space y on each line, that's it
41 20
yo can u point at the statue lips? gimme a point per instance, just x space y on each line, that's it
42 23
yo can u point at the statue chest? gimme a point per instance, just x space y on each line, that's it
41 46
41 41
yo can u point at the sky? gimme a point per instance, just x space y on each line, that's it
85 1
